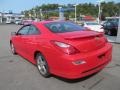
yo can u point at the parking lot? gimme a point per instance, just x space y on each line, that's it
18 74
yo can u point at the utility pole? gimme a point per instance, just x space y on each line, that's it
61 13
34 12
75 13
41 15
99 12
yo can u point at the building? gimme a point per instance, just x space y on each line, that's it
0 17
10 17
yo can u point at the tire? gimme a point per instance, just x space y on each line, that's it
42 65
13 50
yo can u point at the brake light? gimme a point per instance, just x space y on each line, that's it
66 48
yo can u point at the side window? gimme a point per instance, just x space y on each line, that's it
33 30
24 30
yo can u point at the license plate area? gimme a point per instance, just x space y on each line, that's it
102 56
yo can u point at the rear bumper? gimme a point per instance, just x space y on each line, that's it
79 74
94 63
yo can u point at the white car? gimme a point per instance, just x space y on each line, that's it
8 22
93 26
18 22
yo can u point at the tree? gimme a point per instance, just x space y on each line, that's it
108 9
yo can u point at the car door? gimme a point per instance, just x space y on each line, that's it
30 41
19 39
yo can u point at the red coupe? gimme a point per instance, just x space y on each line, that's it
62 48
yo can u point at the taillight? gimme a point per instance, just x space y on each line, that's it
66 48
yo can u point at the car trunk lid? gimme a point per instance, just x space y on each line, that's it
85 41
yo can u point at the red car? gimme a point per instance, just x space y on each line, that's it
62 48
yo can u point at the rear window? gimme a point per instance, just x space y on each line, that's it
113 20
61 27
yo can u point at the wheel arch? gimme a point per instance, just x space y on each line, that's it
35 53
10 41
39 52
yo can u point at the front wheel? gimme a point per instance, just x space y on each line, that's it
13 48
42 65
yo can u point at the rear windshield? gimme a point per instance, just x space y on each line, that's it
113 20
61 27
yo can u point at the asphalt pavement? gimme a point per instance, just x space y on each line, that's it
16 73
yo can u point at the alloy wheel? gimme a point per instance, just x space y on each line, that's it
13 48
42 65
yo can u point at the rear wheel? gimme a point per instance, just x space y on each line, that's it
13 48
42 65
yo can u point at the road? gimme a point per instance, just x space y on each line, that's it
18 74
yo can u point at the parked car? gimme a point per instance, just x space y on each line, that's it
93 26
111 26
8 22
25 22
62 48
18 22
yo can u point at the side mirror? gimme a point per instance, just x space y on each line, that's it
13 33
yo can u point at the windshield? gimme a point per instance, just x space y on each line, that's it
92 23
113 20
61 27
